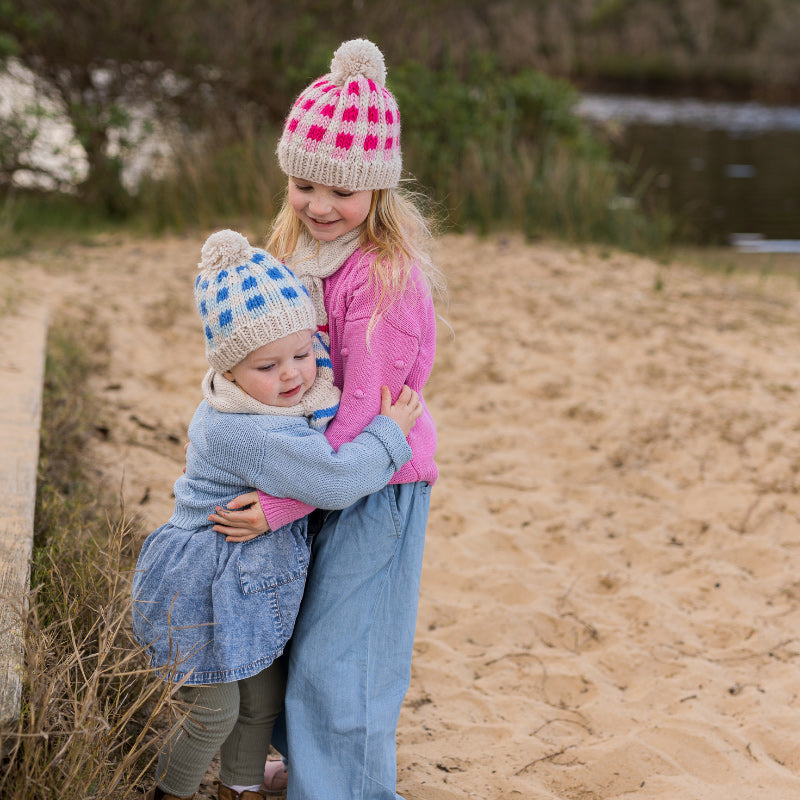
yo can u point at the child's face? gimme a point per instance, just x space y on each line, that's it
328 212
278 373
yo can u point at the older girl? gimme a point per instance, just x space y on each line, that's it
358 243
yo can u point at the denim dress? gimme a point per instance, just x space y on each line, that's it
211 611
218 611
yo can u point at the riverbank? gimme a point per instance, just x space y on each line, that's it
610 597
725 172
753 89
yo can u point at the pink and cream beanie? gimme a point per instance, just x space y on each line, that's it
344 129
246 299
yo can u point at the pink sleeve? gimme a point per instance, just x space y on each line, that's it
282 510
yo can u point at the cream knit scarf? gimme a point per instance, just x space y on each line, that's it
319 403
312 261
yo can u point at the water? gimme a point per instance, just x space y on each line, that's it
730 172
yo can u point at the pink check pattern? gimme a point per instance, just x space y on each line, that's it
355 126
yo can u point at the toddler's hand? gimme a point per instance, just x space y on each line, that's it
242 520
406 411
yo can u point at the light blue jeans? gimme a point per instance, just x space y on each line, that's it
350 655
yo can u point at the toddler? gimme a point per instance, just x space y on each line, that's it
215 615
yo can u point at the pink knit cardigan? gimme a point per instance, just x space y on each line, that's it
398 350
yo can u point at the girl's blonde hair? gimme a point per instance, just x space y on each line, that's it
395 232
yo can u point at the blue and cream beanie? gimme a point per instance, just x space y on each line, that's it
246 299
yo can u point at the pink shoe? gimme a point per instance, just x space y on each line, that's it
276 777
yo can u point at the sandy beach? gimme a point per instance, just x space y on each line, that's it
610 604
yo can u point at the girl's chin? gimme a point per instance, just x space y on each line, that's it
323 231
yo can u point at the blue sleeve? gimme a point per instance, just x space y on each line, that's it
296 461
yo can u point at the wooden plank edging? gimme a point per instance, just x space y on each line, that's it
22 361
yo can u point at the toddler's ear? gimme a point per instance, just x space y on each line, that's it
229 376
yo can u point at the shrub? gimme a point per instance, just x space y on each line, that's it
511 152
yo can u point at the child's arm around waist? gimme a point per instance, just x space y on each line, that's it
396 350
306 467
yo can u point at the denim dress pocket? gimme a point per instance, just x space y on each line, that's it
274 567
273 559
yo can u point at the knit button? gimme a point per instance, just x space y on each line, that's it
399 364
358 394
345 351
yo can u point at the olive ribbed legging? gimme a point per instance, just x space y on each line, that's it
234 718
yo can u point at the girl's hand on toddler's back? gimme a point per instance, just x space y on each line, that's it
242 520
406 411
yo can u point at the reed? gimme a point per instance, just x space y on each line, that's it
494 152
216 179
91 708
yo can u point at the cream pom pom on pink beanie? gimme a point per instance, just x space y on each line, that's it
344 129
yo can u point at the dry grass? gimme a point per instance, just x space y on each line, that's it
91 708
